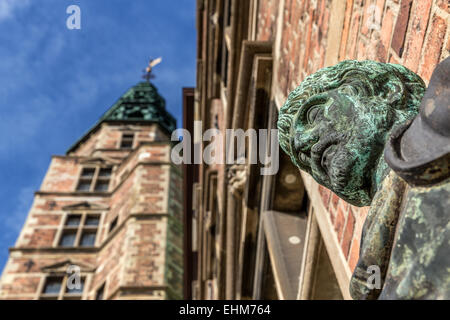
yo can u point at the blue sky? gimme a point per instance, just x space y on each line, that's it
55 82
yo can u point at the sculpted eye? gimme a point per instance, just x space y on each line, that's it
312 114
349 89
310 109
355 88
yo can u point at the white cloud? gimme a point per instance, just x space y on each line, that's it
7 7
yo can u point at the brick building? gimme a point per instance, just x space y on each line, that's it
284 236
109 210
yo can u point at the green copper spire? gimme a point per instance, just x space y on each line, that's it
141 103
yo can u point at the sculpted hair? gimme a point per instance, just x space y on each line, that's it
398 85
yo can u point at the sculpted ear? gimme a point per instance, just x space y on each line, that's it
391 88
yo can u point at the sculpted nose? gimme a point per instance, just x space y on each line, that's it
303 142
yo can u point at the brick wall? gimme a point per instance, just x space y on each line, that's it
267 19
414 33
108 136
131 260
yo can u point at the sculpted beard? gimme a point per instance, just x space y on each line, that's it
342 164
350 171
327 163
352 164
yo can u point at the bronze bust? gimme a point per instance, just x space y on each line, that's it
338 124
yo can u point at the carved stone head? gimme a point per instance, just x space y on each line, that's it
335 124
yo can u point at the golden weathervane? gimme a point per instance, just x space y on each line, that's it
148 71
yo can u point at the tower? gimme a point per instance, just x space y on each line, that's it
106 222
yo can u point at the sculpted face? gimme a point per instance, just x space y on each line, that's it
337 133
337 137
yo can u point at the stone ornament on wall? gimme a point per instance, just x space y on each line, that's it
237 177
336 126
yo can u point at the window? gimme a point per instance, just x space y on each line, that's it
80 230
100 293
103 178
92 220
127 141
68 238
94 179
225 66
73 220
53 286
60 288
113 224
228 13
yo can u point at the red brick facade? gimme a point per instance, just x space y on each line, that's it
137 252
409 32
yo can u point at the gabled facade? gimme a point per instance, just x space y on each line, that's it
109 210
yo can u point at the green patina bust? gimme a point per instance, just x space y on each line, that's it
335 126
